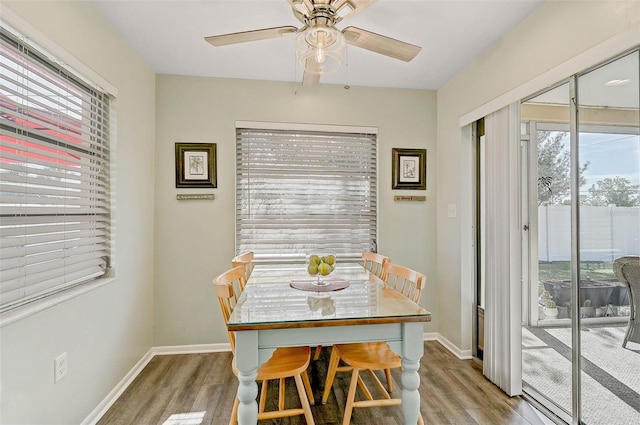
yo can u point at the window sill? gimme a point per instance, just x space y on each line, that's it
30 309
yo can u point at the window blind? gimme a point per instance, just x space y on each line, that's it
299 192
54 176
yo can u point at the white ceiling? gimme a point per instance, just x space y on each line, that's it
169 35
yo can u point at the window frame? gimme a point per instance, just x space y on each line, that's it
293 128
49 50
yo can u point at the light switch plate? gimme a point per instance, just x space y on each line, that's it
451 209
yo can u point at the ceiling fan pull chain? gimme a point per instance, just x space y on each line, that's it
346 66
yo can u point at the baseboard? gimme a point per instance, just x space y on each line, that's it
431 336
191 349
461 354
111 398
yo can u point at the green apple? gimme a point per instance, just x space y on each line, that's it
312 269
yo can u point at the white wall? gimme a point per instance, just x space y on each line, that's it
558 39
195 239
107 331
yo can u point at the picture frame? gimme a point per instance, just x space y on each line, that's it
196 165
409 169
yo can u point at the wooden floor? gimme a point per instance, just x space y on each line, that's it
194 389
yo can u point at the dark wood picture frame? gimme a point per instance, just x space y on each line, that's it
196 165
409 169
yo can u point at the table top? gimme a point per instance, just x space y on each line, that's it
269 302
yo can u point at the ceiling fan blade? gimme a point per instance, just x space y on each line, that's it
301 9
348 8
380 44
255 35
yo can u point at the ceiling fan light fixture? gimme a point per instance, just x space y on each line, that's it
616 82
320 49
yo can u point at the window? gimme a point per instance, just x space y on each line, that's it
300 190
54 176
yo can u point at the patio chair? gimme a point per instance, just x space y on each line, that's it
627 270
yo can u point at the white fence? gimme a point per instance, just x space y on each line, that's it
606 233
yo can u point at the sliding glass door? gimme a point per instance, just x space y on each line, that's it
583 212
609 219
546 361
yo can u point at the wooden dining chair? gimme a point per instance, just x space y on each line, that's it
409 282
246 260
371 356
289 362
367 357
406 281
374 262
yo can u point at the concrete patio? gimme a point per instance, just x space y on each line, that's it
610 378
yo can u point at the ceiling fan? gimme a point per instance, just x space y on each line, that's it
319 45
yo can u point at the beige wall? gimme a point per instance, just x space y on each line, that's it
107 331
559 38
195 239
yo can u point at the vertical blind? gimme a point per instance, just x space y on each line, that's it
54 176
502 226
299 192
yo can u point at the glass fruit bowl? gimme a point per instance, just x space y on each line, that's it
320 265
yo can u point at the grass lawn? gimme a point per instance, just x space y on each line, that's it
560 270
588 270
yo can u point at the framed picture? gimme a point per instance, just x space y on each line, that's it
409 169
196 165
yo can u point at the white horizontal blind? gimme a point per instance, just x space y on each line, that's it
54 176
299 192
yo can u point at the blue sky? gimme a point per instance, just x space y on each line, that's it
609 155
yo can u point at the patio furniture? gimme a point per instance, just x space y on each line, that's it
627 270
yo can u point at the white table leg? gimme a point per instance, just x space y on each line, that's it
412 351
246 357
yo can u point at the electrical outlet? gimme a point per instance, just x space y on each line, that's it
59 367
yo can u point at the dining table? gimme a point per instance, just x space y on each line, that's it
282 306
